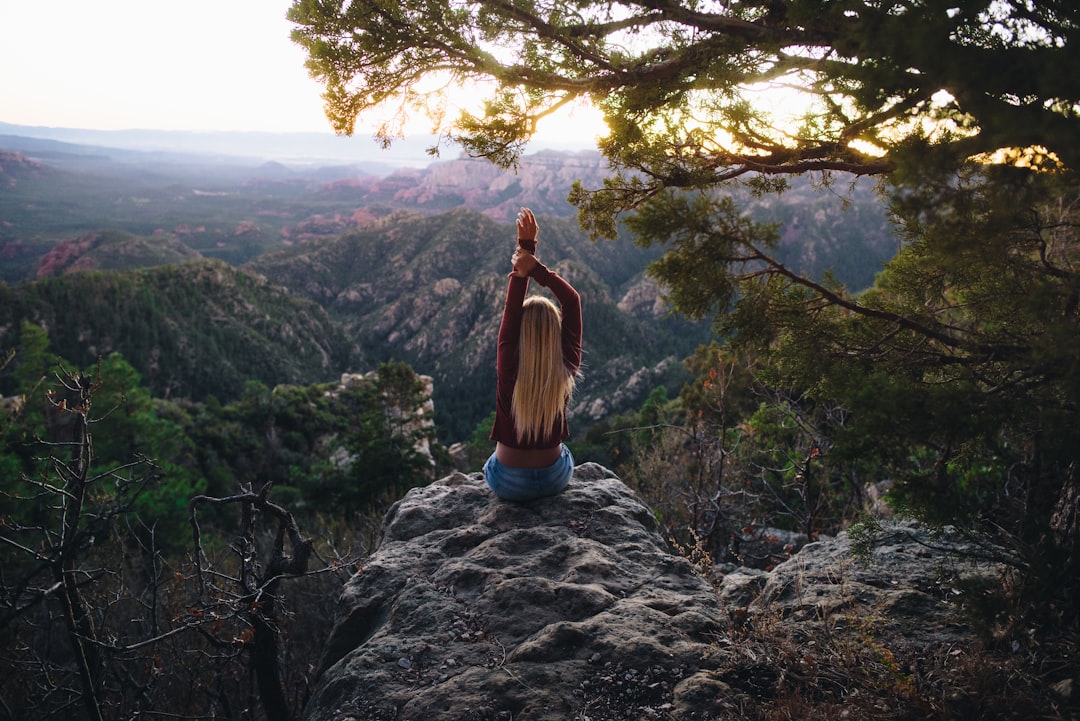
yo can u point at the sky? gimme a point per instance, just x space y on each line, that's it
200 65
124 64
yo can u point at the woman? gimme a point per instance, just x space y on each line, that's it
538 360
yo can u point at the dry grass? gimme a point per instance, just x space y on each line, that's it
779 670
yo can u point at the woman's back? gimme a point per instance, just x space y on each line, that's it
539 355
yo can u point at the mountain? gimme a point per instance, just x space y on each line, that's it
541 181
426 289
114 250
407 265
193 330
429 290
234 146
235 209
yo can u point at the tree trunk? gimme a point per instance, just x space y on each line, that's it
79 625
264 656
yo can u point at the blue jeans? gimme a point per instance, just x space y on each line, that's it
525 484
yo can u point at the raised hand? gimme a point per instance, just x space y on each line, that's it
527 230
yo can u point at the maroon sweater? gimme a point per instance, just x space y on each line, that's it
504 430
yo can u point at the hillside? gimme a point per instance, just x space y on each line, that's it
429 290
191 330
113 250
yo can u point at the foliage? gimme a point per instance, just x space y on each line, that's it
954 376
959 366
100 608
383 452
189 330
684 87
480 446
731 460
956 373
853 665
53 513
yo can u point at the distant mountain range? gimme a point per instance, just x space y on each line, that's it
290 148
54 193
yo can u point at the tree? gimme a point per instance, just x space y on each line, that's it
958 368
685 86
52 517
385 449
256 599
97 607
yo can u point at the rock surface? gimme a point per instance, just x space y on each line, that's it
574 607
904 591
473 608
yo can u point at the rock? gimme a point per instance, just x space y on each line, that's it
474 608
574 607
905 591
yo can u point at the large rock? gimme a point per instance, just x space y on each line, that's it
574 607
569 607
905 587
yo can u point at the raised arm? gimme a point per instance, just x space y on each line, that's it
527 266
570 302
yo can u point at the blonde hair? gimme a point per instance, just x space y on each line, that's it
544 384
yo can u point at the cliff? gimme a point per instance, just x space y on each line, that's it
472 609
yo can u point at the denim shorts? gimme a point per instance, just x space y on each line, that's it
525 484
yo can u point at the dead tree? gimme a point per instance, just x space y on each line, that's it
256 593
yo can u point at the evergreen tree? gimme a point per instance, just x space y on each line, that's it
684 86
959 367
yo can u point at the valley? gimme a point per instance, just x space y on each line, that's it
206 272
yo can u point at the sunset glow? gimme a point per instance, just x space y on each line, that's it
202 65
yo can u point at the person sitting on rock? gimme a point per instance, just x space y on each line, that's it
539 357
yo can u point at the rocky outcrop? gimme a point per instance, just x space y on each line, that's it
15 167
115 250
904 588
473 608
574 607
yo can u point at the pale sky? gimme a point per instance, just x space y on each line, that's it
146 64
123 64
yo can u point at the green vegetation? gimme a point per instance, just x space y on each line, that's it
955 375
191 330
105 491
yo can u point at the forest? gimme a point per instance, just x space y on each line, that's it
186 473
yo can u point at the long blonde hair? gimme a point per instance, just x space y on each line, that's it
544 384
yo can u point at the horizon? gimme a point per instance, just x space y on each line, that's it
287 147
219 68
